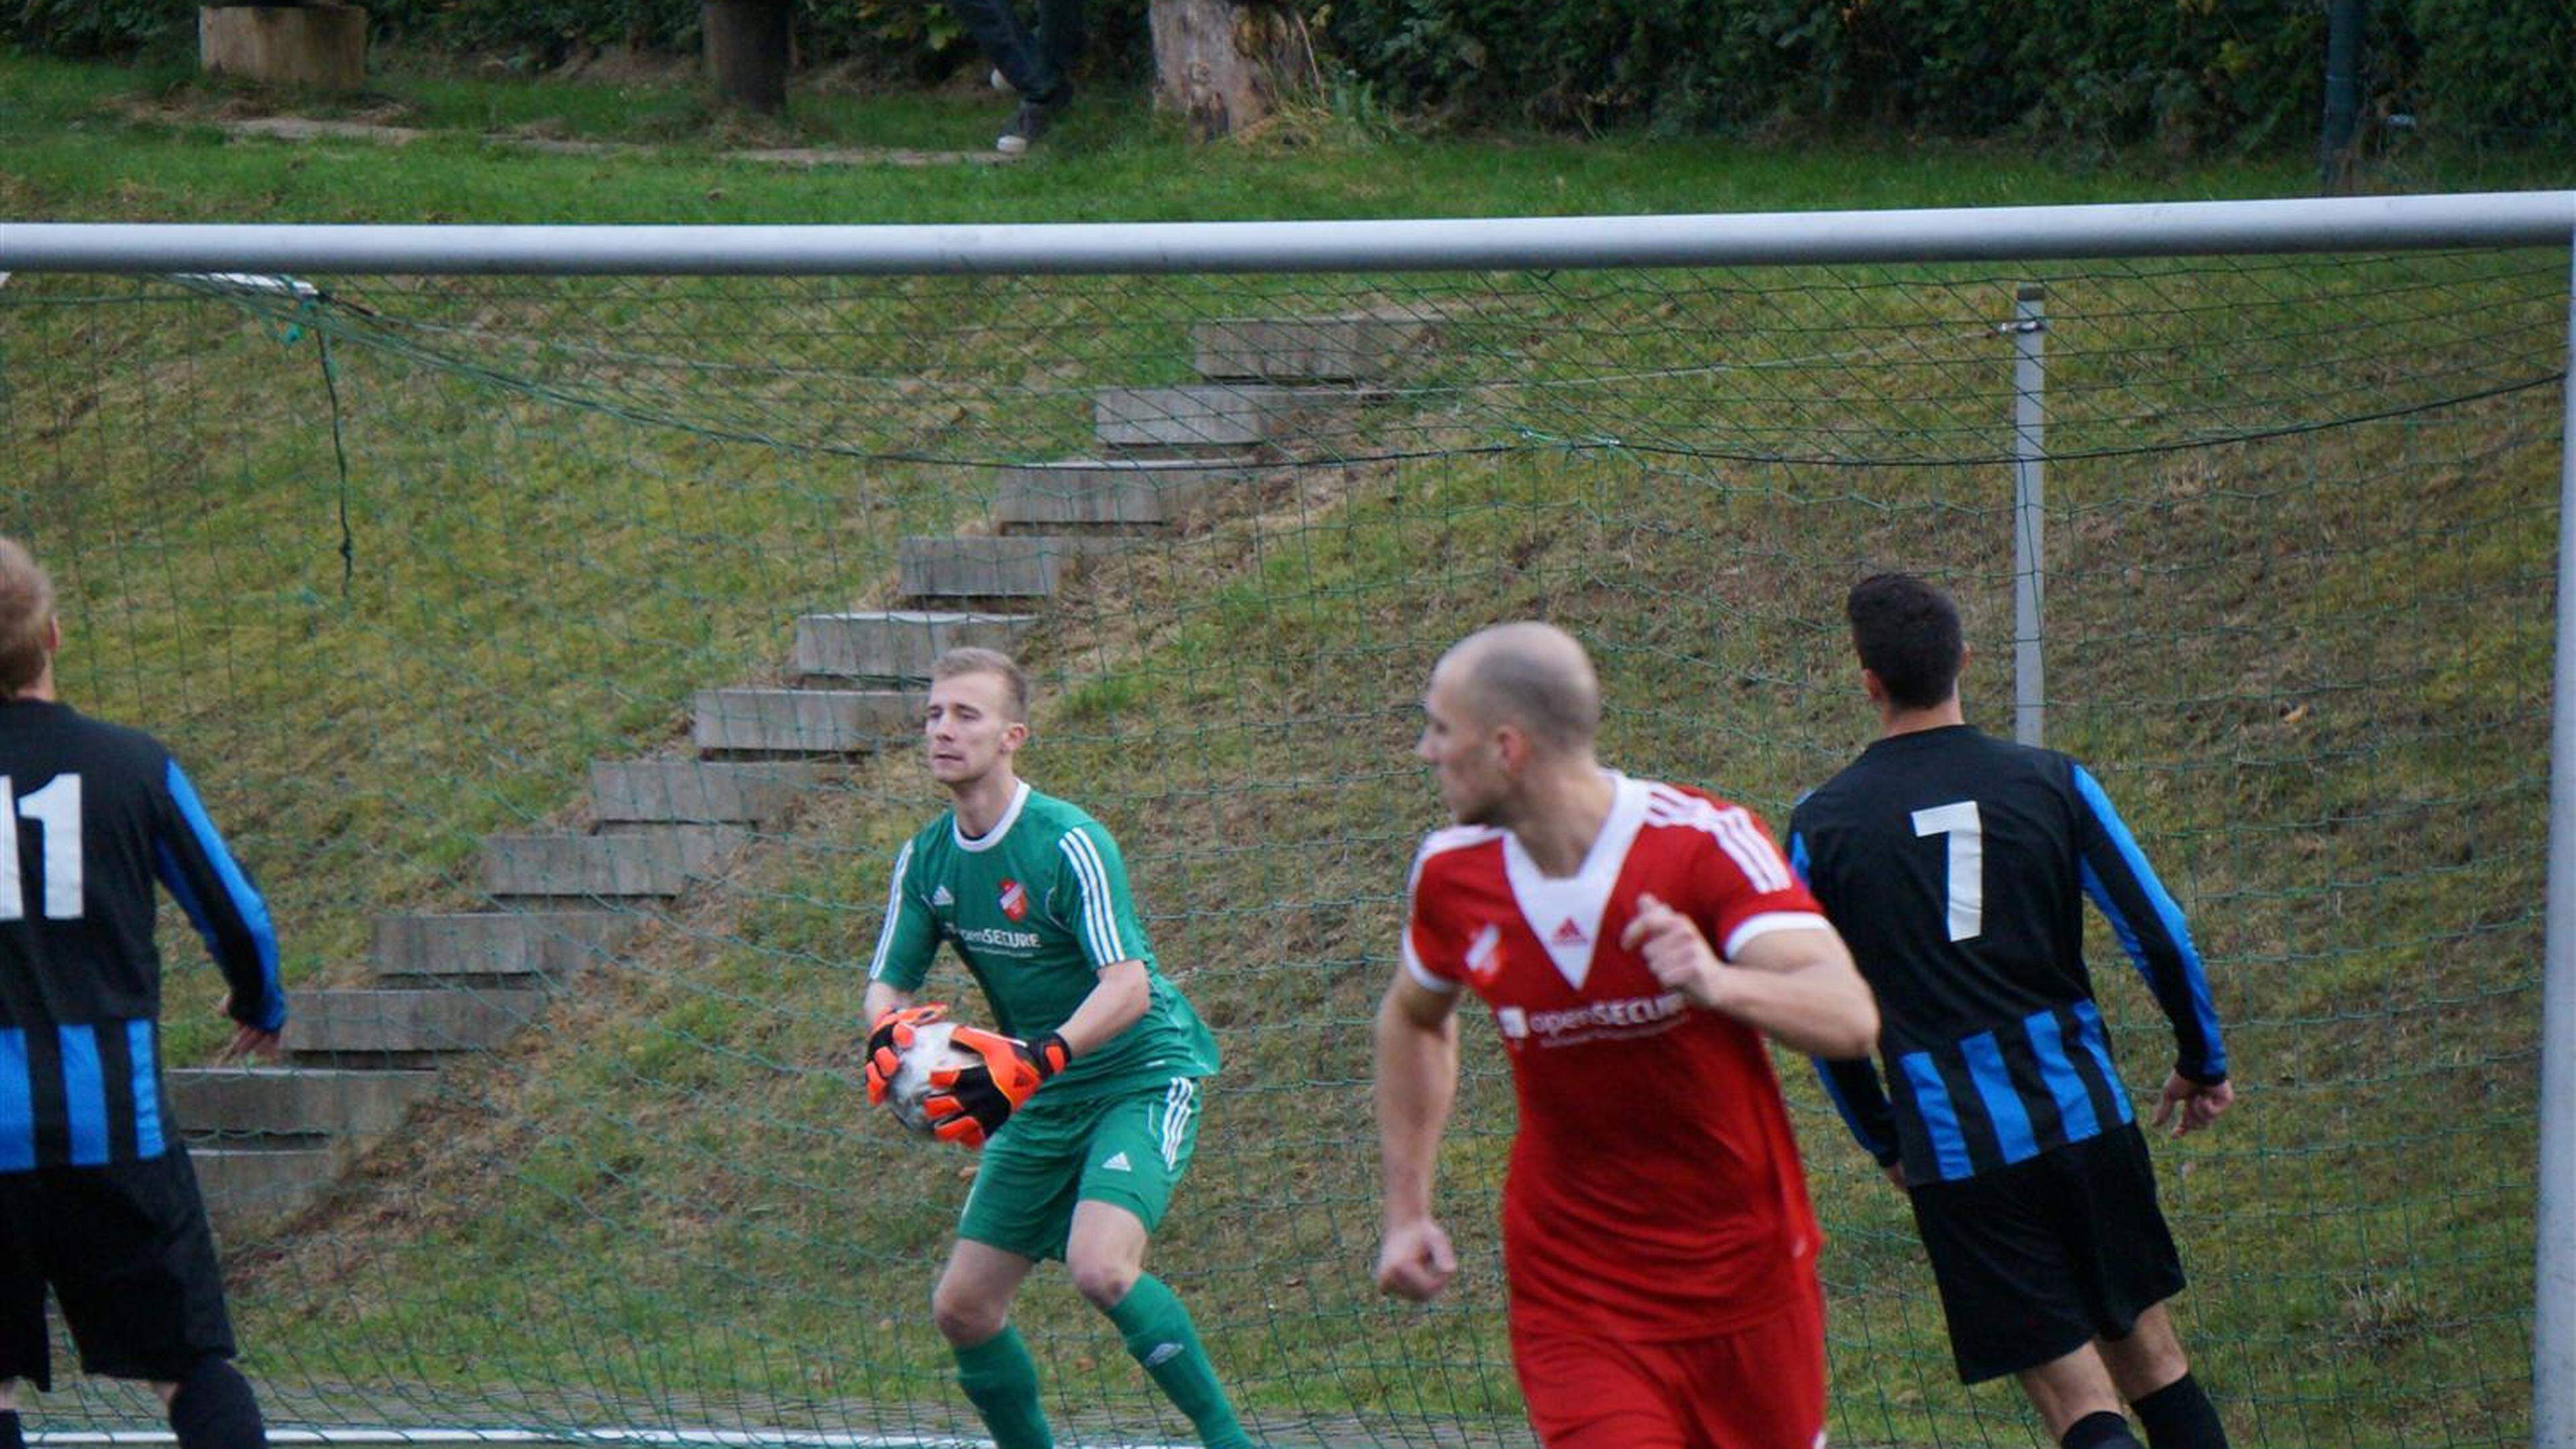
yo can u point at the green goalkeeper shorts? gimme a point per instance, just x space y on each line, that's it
1128 1149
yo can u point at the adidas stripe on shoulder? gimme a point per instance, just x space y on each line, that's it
1731 826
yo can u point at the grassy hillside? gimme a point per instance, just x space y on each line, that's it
2299 531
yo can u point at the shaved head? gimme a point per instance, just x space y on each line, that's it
1532 675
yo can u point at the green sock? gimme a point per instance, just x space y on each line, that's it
1160 1336
1001 1380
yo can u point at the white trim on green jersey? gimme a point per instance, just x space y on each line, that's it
893 913
1001 828
1097 912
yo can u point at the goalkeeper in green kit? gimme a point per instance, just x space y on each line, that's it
1085 1103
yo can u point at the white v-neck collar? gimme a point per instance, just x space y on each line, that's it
1001 827
1565 912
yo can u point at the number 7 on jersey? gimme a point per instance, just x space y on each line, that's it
1967 887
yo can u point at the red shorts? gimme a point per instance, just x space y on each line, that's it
1761 1386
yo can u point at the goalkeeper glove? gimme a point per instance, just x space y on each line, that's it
970 1104
887 1040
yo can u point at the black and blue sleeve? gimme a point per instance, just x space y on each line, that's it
2151 929
197 868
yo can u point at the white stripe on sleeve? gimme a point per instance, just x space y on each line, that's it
1098 909
1769 921
1752 851
893 913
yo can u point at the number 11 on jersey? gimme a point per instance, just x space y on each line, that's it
1967 888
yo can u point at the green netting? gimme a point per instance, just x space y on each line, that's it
392 562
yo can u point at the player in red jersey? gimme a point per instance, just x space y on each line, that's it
1635 941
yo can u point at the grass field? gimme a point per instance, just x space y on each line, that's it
2307 658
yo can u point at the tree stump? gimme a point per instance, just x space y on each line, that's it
1226 64
316 47
747 47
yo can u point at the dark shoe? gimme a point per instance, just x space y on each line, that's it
1026 127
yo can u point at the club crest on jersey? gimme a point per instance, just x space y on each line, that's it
1485 956
1015 900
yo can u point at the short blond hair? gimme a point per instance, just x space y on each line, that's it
26 611
972 660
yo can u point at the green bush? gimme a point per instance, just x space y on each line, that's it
2501 67
86 29
544 32
2121 70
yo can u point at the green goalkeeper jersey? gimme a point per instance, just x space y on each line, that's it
1035 907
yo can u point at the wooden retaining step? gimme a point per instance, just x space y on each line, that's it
712 792
247 1187
804 722
1346 347
404 1027
535 950
226 1105
1230 417
897 646
1016 566
1125 493
647 861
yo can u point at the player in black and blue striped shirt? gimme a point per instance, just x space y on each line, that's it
97 1199
1957 866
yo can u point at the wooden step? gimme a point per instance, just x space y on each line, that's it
1346 347
804 723
304 1105
247 1188
1120 493
711 792
1221 416
535 950
643 861
897 646
1016 567
405 1028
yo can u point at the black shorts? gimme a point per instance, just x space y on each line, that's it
128 1254
2040 1258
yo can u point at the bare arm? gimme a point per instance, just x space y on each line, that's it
1417 1080
1117 1001
881 999
1798 987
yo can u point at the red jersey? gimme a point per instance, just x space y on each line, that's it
1654 1192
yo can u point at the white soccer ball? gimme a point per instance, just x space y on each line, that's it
930 1051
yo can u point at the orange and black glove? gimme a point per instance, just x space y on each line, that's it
887 1038
970 1104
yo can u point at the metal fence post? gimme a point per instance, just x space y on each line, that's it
2553 1336
2030 554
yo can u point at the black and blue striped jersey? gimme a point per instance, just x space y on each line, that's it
1956 866
100 813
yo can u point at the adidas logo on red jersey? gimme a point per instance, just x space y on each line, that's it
1568 934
